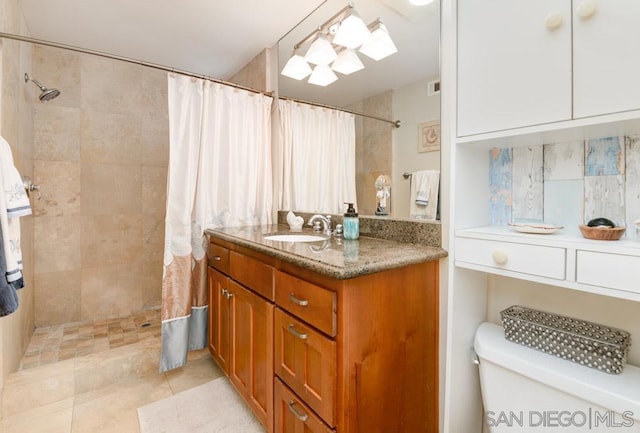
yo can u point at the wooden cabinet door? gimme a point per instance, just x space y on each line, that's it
219 319
605 46
251 369
306 361
513 70
292 415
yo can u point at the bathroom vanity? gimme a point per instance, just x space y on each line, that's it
327 336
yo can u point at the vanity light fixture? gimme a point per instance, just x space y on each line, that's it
322 75
380 44
321 52
296 67
347 62
352 31
336 41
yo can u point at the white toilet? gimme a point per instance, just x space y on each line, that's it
524 390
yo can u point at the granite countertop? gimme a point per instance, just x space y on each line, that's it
335 257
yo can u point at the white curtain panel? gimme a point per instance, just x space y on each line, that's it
319 158
220 175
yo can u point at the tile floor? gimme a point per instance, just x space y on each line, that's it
57 343
99 387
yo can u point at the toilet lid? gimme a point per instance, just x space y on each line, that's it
619 392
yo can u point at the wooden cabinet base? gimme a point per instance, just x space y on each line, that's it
292 415
351 356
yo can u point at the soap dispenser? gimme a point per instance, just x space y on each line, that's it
351 223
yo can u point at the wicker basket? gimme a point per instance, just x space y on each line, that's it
586 343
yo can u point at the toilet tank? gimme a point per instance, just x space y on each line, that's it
524 390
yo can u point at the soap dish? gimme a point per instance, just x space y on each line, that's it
602 233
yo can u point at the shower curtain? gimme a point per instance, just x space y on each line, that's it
219 176
319 158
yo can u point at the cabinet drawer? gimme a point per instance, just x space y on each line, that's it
311 303
306 361
252 273
615 271
549 262
218 257
292 415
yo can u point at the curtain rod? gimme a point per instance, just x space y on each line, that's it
395 123
15 37
126 59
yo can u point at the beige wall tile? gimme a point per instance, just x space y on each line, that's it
57 297
110 86
154 190
110 189
57 244
155 142
110 138
102 156
152 254
60 188
111 239
154 94
56 133
59 69
110 291
16 127
254 75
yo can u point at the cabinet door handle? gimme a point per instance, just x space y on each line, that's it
217 258
500 257
586 9
301 416
297 301
229 295
224 292
294 331
553 21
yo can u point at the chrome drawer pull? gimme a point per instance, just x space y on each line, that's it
217 258
293 331
301 302
301 416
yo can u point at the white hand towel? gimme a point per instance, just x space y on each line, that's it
14 203
424 194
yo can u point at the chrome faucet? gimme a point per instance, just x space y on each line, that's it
326 223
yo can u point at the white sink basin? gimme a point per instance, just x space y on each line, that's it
295 238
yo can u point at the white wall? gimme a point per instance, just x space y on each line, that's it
411 105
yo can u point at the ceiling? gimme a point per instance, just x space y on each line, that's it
215 37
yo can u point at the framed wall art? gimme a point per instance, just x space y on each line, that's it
429 136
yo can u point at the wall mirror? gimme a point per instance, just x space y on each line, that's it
403 86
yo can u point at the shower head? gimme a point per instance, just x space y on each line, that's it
47 94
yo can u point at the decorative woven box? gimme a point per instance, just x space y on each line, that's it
586 343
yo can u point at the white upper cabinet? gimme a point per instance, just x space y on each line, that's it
606 49
514 64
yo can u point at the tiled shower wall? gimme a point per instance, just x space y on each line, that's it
567 184
15 128
100 158
374 147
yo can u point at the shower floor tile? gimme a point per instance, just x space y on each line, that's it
72 340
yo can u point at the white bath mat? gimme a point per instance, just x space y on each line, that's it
214 407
